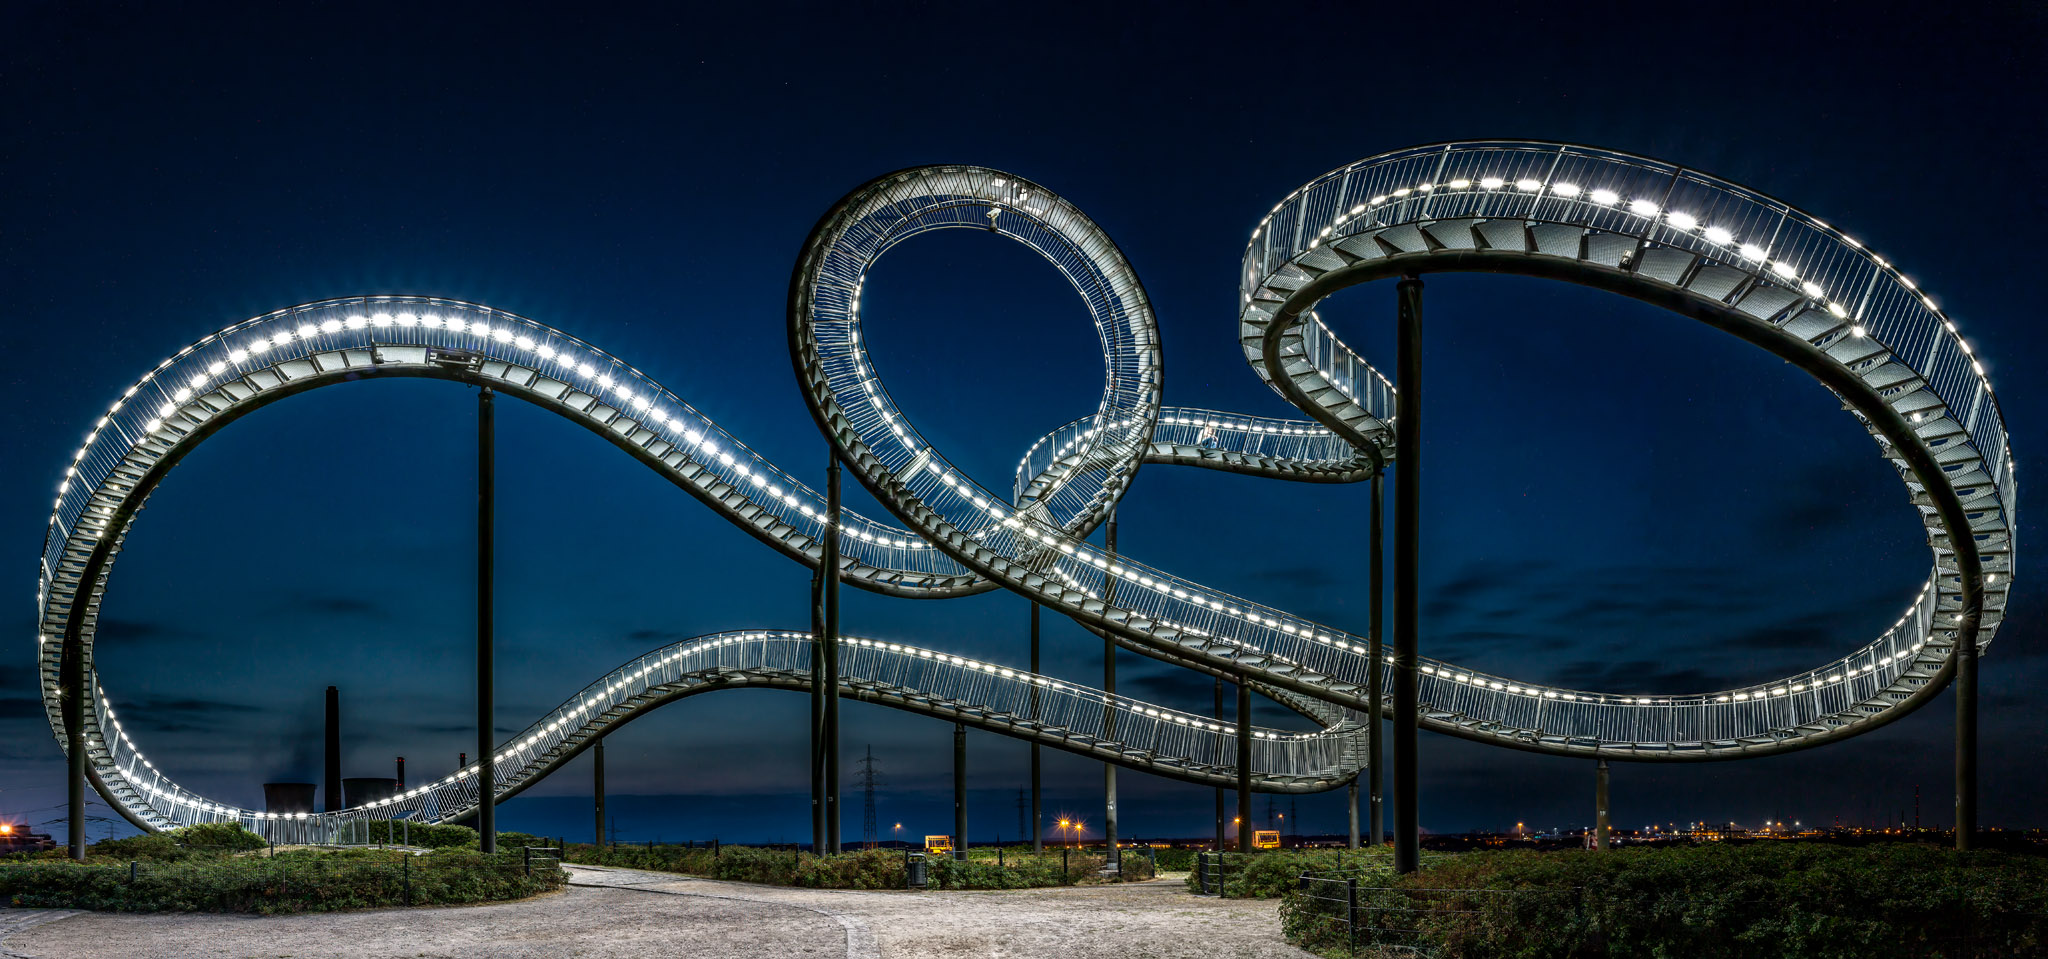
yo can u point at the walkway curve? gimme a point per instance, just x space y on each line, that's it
1585 219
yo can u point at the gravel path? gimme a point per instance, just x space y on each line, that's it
621 912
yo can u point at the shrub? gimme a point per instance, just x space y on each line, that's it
426 836
1711 902
221 836
291 882
1268 874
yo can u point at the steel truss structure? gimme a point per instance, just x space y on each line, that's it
1699 246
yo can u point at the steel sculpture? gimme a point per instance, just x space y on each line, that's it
1699 246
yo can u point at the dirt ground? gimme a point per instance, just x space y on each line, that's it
621 912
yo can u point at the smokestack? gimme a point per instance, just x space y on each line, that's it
461 760
401 774
332 778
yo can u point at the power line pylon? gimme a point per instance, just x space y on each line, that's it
868 779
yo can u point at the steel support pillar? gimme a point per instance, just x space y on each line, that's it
1222 833
1375 670
331 760
1037 807
597 786
1244 766
1351 794
959 791
1407 507
486 673
831 646
818 708
1966 740
1601 829
71 693
1109 708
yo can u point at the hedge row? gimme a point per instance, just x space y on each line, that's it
1783 901
866 869
158 875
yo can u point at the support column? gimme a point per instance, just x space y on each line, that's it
1407 506
1375 670
71 693
1037 808
1601 830
1108 709
1222 833
597 786
818 704
486 679
331 759
831 651
1244 766
959 791
1351 792
1966 739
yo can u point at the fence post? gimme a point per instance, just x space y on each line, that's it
1351 912
527 851
131 872
405 871
999 857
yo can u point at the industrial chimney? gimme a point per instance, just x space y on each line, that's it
401 774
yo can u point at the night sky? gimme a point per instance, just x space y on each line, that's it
1617 498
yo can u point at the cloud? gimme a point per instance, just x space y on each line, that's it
1640 676
145 631
20 707
1307 577
341 606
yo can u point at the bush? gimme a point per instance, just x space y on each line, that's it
1176 860
1710 902
292 882
426 836
1268 874
867 869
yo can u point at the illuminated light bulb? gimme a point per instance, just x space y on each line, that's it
1492 183
584 369
1404 191
1720 235
282 338
1527 185
1606 197
1751 251
218 367
605 381
308 331
546 352
1565 189
428 320
330 326
1460 184
502 334
1784 269
525 343
1837 309
356 322
381 320
1642 208
1812 289
1683 221
406 319
1857 331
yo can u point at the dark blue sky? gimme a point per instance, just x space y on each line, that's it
1618 498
